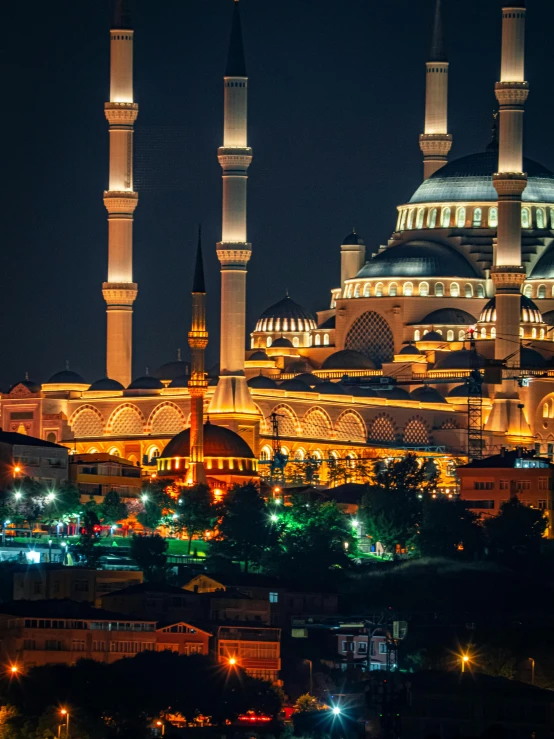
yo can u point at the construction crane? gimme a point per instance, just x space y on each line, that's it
474 403
279 461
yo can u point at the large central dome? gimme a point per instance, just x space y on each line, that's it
469 179
419 259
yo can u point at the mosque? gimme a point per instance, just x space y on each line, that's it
465 285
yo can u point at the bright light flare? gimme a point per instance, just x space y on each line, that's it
274 517
336 711
17 495
232 661
144 498
14 669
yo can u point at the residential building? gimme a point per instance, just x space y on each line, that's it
183 638
98 474
488 483
256 649
26 456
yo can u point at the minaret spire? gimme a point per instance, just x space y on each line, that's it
120 199
436 142
231 401
198 385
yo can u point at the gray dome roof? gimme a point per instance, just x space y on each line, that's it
432 336
282 343
460 391
295 385
362 392
309 379
469 179
347 359
462 359
146 383
544 268
410 349
330 388
353 239
447 317
33 387
106 384
172 370
396 393
259 356
67 377
287 308
531 358
419 259
218 442
529 311
180 382
300 366
261 382
426 394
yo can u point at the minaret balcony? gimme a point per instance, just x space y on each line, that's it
509 184
435 144
234 157
234 254
120 201
121 114
512 94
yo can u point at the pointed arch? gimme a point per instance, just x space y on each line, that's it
416 432
87 421
166 418
317 424
126 420
382 429
350 426
288 420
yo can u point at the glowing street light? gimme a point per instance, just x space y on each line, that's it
14 669
232 661
161 725
65 714
51 497
274 517
18 495
17 469
465 661
336 711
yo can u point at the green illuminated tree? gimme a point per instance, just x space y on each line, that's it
112 509
195 511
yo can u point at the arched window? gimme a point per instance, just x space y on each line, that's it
438 331
545 410
521 334
403 219
357 291
424 289
310 340
534 333
114 452
318 339
525 218
493 333
278 321
493 217
528 291
295 341
477 217
379 290
439 289
269 341
408 289
450 335
420 218
483 333
480 291
417 335
349 293
293 325
265 454
411 219
541 218
454 290
542 334
393 289
541 292
445 217
432 218
468 290
367 288
299 455
269 325
285 324
461 217
461 334
326 340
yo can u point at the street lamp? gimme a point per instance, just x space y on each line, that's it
274 517
65 714
17 495
144 498
162 726
17 469
14 669
336 711
232 661
465 661
49 550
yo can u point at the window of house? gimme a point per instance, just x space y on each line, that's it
504 484
483 504
445 217
480 485
461 217
382 648
78 645
542 505
362 647
29 644
274 597
348 646
80 586
525 218
523 484
37 588
493 217
54 645
477 217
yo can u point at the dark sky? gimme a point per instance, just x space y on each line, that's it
335 110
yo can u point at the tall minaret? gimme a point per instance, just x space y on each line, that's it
198 385
436 142
120 199
232 396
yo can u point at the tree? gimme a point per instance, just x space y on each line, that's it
87 541
112 508
245 529
449 529
195 511
61 505
149 552
517 530
157 503
306 703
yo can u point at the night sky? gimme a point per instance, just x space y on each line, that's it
336 99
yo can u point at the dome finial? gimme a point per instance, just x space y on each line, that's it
147 372
179 359
26 375
287 293
493 144
67 364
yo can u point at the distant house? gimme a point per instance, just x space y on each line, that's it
488 483
257 650
27 456
98 474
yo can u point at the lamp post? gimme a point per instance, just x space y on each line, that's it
161 725
65 714
532 661
465 661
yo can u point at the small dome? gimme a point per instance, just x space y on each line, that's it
105 384
261 382
297 318
426 394
447 317
32 387
532 359
432 336
146 383
330 388
462 359
295 386
529 311
396 393
353 239
411 349
282 343
180 382
419 259
309 379
218 442
172 370
347 359
259 356
362 392
67 377
460 391
300 366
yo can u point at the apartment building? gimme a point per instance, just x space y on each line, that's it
256 649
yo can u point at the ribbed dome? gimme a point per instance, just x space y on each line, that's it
259 356
261 382
105 384
353 239
282 343
286 315
180 382
330 388
529 312
410 349
419 259
395 393
295 386
462 359
532 359
172 370
67 377
347 359
447 317
218 442
544 268
426 394
146 383
469 179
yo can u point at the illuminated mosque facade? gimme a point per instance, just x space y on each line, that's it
471 254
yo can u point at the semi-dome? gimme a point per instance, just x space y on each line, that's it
172 370
261 382
330 388
462 359
106 385
420 258
531 359
469 179
460 391
447 317
347 359
258 356
295 385
353 239
426 394
67 377
544 268
286 315
218 442
529 311
282 343
146 383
